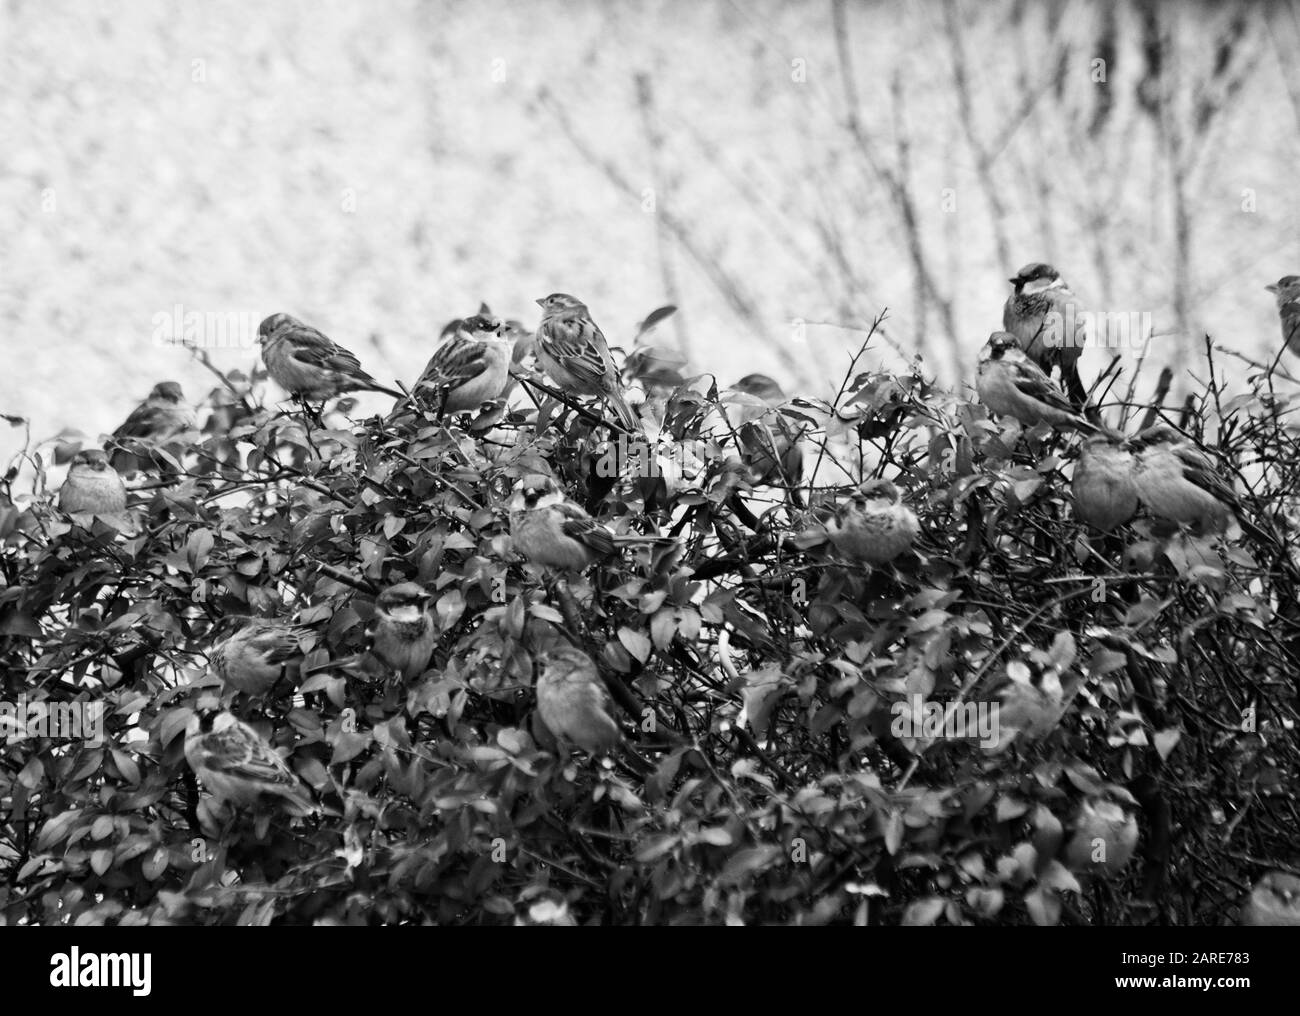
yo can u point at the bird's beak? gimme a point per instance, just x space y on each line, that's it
1271 287
541 302
1015 281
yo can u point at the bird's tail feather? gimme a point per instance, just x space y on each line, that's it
624 412
375 386
1074 388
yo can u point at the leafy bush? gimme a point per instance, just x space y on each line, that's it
758 672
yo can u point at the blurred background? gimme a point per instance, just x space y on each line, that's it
781 171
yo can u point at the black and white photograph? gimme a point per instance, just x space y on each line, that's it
651 464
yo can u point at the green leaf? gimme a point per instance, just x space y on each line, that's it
635 643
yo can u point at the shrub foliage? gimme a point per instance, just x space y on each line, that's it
759 673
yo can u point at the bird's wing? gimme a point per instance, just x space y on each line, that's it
582 527
1030 381
596 695
145 421
453 363
277 645
1290 313
1200 470
314 349
577 343
237 752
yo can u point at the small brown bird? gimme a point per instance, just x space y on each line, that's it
469 368
550 530
1179 482
873 526
1274 901
254 658
1104 487
576 707
1038 313
307 364
403 633
1011 384
1105 836
574 703
571 348
92 486
1287 292
154 423
237 765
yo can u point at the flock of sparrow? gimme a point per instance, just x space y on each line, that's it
476 363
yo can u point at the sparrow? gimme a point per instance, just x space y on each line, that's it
1287 292
768 440
403 633
1040 291
873 526
253 659
1274 901
1011 384
574 703
92 486
1177 481
236 764
470 367
1104 486
554 532
572 350
576 707
159 418
1105 835
307 364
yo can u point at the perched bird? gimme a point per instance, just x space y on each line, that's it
156 421
1287 292
576 707
1104 486
873 526
237 765
403 633
1038 313
550 530
1179 482
572 350
307 364
1105 835
254 658
574 703
769 440
1274 901
471 366
92 486
1011 384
